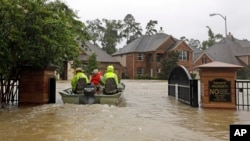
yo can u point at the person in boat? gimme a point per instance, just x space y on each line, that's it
110 81
79 81
96 79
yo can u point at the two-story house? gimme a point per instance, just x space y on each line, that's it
143 55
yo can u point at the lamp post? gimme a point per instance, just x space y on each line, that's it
225 18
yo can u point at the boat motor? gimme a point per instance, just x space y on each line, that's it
89 92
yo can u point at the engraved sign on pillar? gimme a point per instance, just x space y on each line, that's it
219 90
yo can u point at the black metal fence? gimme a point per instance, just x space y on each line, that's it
185 89
9 91
242 91
185 93
181 86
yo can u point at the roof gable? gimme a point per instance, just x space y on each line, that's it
178 43
198 55
101 56
217 64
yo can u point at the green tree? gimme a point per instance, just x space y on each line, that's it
36 33
211 40
194 43
96 30
131 29
150 27
111 36
168 64
244 73
111 32
92 64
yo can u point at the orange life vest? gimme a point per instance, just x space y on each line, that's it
95 78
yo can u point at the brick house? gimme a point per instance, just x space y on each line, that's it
143 55
102 57
228 50
199 58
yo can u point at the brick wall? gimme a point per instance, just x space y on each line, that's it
132 63
34 86
199 60
118 69
209 74
186 63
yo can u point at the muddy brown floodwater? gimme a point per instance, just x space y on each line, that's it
147 113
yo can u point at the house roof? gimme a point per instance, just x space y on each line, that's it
197 55
101 56
243 43
228 49
144 43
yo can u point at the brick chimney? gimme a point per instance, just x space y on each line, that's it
230 36
161 30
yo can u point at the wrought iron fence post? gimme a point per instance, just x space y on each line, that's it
176 91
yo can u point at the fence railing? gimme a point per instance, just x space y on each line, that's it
185 93
9 91
242 90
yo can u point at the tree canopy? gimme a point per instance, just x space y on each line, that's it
211 39
96 30
92 64
37 33
131 28
168 64
151 27
109 33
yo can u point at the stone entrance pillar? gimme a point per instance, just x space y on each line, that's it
34 86
218 85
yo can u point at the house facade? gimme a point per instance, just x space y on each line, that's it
102 57
142 57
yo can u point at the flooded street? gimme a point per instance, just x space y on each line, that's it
147 113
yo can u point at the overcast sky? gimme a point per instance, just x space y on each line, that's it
178 18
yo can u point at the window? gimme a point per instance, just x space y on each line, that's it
183 55
158 57
139 71
139 57
204 60
149 58
159 70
